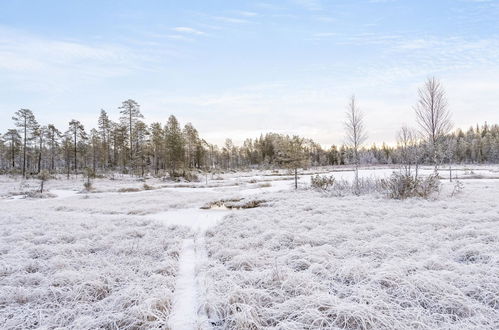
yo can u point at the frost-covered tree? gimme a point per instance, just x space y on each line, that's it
355 134
407 149
432 115
291 154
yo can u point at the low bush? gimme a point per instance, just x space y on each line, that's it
397 186
88 186
402 186
322 182
344 187
38 194
458 188
191 177
148 187
129 189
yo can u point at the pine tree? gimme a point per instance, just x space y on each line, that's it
157 142
174 143
53 136
78 133
25 120
130 111
14 139
104 125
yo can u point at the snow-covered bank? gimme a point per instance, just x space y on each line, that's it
312 262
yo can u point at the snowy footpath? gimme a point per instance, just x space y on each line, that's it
186 299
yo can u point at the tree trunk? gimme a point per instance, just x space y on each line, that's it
40 155
13 153
24 149
75 158
52 154
296 178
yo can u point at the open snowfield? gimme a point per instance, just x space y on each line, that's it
128 257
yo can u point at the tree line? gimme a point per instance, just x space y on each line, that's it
131 146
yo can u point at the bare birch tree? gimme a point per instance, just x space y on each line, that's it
408 148
432 115
355 134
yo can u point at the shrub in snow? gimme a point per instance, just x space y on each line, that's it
322 182
191 177
458 188
148 187
128 189
344 187
88 173
402 186
43 176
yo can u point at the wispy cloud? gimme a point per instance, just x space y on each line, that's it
245 13
188 30
179 37
29 53
311 5
233 20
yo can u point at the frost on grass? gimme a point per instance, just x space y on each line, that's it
86 274
310 262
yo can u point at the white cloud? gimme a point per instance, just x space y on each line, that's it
232 20
311 5
25 53
245 13
188 30
179 37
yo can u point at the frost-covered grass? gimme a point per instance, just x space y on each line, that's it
309 262
302 260
84 271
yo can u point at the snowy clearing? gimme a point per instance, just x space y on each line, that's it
151 258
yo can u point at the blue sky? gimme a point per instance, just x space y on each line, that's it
239 68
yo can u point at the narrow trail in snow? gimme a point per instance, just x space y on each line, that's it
186 301
184 316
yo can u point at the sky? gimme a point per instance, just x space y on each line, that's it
236 69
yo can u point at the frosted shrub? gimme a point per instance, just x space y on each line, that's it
191 177
89 173
344 187
402 186
428 186
43 176
322 182
458 188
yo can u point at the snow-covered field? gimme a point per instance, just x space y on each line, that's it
134 256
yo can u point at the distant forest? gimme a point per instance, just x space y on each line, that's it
131 146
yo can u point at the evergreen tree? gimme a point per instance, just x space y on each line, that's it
130 111
77 132
25 120
174 143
